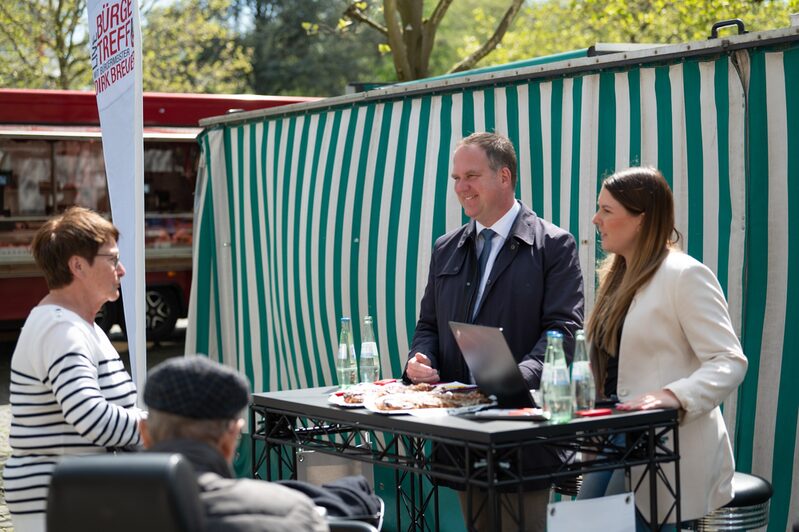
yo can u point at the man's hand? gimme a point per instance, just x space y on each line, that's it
419 369
660 399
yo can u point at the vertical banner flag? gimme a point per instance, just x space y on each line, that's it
117 67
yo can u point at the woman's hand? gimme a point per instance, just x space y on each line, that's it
420 369
659 399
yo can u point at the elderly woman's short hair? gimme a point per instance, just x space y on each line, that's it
78 231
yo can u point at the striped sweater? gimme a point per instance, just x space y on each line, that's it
70 395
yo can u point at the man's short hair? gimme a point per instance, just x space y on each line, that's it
499 150
164 426
78 231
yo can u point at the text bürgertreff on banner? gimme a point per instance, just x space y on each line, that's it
117 67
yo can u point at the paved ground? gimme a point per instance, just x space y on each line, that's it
5 452
155 354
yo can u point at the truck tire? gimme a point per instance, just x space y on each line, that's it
162 313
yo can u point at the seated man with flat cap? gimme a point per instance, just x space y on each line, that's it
195 408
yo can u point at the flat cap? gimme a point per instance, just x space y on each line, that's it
197 388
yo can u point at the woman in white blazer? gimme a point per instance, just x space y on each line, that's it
661 337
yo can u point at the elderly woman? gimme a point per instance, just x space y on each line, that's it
70 393
661 337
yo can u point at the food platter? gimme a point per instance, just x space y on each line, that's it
397 398
353 397
372 407
338 400
394 397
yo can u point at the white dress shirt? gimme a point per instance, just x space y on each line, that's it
502 228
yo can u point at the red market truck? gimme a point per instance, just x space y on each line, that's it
51 157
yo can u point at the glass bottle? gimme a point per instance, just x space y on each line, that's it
555 387
583 388
370 360
346 364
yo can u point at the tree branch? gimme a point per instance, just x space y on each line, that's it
438 14
468 62
356 15
411 12
429 28
395 40
74 22
21 55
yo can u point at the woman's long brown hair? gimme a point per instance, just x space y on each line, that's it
640 191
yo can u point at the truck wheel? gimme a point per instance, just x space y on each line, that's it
162 313
107 316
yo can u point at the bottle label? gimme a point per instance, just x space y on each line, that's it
342 351
368 350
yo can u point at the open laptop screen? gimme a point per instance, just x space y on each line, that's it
492 364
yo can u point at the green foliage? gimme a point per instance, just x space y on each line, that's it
554 26
190 47
43 44
462 31
310 47
300 47
411 28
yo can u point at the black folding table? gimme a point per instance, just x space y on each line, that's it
304 419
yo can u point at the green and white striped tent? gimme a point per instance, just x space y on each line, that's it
315 211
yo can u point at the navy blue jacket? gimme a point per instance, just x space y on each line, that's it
535 285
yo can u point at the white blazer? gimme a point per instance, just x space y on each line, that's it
678 335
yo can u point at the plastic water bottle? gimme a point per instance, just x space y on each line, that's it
346 364
370 360
555 386
583 386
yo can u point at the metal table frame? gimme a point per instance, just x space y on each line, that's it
289 420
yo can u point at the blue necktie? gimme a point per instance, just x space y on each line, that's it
482 260
487 235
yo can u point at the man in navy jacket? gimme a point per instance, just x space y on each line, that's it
522 275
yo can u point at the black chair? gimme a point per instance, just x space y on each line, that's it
124 493
746 511
347 525
355 523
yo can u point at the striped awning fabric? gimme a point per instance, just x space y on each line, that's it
311 215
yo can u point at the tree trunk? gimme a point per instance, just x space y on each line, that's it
410 12
396 41
429 32
411 37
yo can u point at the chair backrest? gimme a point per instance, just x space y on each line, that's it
346 525
124 493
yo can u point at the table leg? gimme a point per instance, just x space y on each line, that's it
435 510
652 466
492 496
678 495
253 457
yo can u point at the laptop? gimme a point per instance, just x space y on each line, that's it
492 364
